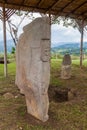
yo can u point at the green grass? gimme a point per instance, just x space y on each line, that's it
69 115
11 68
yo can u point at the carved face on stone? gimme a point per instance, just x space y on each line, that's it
45 50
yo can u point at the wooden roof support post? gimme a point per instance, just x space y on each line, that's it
81 45
5 47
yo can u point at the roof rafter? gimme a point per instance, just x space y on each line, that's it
24 6
85 18
79 6
67 8
73 11
8 11
83 13
8 14
22 1
39 2
67 5
55 2
5 1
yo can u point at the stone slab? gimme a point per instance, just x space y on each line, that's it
33 66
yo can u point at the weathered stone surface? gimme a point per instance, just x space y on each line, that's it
33 66
66 67
8 95
66 60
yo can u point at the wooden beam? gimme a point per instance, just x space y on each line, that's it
81 45
8 11
79 6
5 47
63 9
39 2
73 11
82 14
8 16
18 7
67 5
55 2
22 1
85 18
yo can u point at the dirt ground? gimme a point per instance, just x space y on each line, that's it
64 115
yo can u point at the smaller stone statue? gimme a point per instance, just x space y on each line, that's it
66 67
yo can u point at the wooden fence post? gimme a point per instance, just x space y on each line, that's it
81 45
5 47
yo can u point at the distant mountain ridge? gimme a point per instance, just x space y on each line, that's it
71 44
61 47
67 45
70 47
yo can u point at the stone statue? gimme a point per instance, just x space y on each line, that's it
33 66
66 67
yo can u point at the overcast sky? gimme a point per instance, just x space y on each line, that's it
59 33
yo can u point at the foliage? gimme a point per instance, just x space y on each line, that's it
66 21
13 28
13 50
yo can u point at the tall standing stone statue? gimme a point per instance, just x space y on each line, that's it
66 67
33 66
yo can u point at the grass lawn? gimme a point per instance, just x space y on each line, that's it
68 115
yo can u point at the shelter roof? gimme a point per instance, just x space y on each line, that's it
68 8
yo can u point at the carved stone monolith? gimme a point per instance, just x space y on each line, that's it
66 67
33 66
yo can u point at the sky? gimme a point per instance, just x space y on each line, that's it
59 33
63 34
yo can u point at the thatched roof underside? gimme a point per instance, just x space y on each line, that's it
69 8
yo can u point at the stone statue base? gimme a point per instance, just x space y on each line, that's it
66 72
66 67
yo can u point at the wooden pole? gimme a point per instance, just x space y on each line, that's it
5 47
81 45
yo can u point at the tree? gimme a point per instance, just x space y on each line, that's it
13 28
13 50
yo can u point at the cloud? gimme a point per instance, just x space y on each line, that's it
60 33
